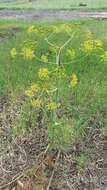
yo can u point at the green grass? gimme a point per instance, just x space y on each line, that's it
87 103
53 4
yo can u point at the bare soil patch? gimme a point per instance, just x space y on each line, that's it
24 165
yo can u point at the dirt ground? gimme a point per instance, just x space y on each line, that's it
50 14
26 165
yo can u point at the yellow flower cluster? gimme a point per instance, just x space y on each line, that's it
44 58
90 45
13 52
28 53
71 53
43 73
52 105
29 93
32 93
32 90
35 87
98 44
30 44
74 80
56 29
62 28
32 29
36 103
104 56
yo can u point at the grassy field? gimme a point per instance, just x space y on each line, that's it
18 73
54 4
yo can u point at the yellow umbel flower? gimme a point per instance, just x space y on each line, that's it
29 93
104 56
35 87
36 103
28 53
88 46
70 53
66 27
13 52
56 29
43 73
44 58
61 28
32 29
98 44
30 44
74 80
52 106
91 45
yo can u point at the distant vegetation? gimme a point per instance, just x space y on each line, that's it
53 4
